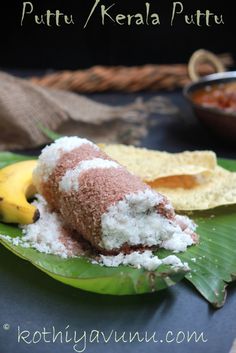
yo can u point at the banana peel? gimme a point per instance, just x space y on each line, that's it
16 187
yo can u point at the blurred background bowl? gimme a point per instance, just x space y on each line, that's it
219 121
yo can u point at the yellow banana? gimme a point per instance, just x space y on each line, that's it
15 187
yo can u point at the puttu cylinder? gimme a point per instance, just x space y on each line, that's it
107 205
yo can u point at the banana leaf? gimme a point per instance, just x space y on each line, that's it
212 261
7 158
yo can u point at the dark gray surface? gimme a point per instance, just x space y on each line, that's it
32 300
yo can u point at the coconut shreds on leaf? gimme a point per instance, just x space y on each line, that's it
212 261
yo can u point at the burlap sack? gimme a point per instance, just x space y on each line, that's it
25 107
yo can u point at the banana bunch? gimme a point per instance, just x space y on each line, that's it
16 187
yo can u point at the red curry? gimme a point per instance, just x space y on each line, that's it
221 96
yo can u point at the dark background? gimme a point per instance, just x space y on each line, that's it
72 47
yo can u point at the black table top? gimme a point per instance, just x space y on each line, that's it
32 303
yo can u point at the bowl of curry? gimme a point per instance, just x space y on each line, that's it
213 99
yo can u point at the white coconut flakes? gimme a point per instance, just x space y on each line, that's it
46 236
134 221
51 154
70 180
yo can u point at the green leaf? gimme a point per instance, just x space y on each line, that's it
52 135
81 273
215 256
7 158
212 261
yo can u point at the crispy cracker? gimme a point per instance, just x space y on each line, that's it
152 165
191 180
219 190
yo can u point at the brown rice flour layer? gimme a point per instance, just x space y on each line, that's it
111 208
